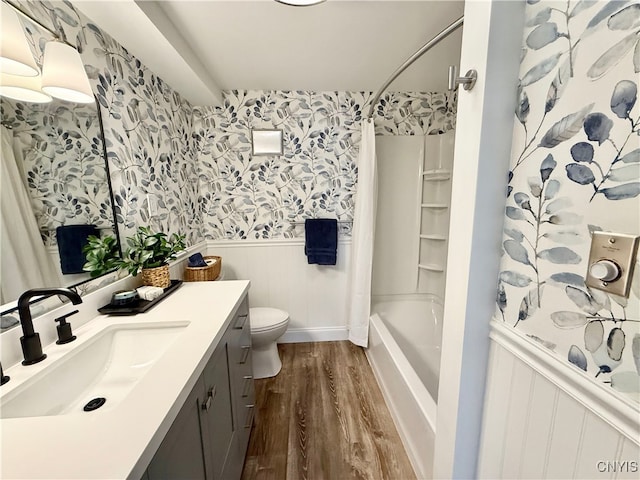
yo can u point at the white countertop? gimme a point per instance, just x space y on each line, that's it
119 443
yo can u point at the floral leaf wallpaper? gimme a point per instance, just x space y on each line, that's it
183 169
147 127
62 159
575 169
262 197
152 157
177 168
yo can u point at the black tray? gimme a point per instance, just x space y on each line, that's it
139 305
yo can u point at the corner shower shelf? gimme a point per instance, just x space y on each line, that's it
433 237
431 267
436 175
441 206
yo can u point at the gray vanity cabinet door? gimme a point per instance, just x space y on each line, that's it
181 455
216 412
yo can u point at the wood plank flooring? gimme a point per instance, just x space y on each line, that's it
323 417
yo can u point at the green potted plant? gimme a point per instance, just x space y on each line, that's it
148 252
102 255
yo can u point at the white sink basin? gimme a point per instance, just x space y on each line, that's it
106 366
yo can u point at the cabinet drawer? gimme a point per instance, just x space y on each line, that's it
242 315
242 371
247 390
249 415
242 377
241 321
240 347
243 335
233 468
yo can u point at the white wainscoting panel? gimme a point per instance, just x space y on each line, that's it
565 438
544 398
314 295
591 452
516 414
498 395
536 427
630 451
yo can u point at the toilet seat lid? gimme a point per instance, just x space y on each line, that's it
266 317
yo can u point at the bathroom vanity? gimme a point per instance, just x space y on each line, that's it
209 437
182 408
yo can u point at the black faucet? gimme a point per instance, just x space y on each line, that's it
30 341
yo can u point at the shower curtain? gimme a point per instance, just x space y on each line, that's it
364 220
25 262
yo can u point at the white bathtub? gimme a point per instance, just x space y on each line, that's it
404 353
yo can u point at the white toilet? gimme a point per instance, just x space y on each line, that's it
267 325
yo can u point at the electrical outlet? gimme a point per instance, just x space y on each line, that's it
611 261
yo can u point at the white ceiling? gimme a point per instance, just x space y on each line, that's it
202 47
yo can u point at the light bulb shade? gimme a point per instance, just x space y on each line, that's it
63 74
26 89
15 55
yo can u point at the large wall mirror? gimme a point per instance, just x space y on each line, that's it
55 191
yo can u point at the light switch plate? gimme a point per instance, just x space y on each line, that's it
619 248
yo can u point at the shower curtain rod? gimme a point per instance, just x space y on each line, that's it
424 49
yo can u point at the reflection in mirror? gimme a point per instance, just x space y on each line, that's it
55 189
55 193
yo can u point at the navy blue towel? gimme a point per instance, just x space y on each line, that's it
71 240
197 260
321 240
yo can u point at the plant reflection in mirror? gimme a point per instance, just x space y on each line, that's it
146 249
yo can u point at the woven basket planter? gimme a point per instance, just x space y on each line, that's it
156 277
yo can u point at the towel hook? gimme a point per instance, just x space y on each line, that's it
468 81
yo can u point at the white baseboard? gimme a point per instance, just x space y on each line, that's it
320 334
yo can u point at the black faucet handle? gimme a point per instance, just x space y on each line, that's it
3 378
65 335
64 317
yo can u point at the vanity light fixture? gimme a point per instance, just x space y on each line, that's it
15 54
300 3
63 73
26 89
